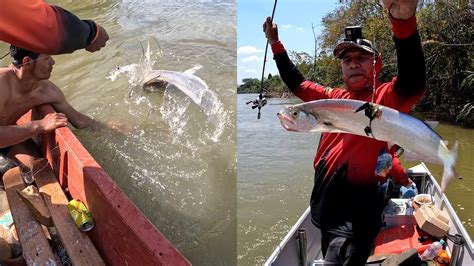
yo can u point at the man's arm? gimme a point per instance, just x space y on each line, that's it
14 134
411 79
60 104
46 29
289 73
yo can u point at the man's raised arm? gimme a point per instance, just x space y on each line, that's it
46 29
411 78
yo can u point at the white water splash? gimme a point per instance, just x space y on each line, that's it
173 108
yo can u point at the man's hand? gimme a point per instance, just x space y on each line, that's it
52 121
401 9
100 40
271 31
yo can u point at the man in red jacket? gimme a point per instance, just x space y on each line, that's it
346 203
42 28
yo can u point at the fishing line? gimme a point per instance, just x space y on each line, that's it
261 101
373 67
22 165
1 57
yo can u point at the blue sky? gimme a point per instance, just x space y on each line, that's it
294 20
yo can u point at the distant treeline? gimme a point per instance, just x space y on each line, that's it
447 33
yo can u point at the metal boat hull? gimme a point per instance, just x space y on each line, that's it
287 252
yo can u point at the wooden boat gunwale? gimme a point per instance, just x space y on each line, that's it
122 234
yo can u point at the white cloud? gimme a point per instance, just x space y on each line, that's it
248 50
299 29
251 71
252 58
286 26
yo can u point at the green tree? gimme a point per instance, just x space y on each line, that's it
447 31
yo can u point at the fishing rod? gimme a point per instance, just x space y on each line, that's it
261 101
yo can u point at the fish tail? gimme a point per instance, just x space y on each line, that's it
449 173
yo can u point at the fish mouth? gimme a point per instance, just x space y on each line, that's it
286 122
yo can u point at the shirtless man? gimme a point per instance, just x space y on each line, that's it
23 85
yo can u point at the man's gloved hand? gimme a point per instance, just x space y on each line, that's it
100 40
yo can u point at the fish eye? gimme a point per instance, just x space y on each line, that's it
294 114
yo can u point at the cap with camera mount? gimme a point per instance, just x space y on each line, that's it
353 39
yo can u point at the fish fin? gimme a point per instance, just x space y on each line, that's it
362 107
193 70
371 111
431 123
449 173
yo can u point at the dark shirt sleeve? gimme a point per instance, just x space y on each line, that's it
411 78
289 73
304 89
42 28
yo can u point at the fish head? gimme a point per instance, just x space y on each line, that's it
294 118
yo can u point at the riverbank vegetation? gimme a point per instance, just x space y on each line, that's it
447 33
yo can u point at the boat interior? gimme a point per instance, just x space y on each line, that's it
402 230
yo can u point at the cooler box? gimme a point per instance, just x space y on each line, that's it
398 212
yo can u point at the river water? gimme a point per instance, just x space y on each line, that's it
275 177
175 163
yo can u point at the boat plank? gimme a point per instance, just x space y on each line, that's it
122 234
79 247
36 249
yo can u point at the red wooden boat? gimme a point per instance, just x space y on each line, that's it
122 234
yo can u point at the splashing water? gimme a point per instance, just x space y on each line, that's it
173 108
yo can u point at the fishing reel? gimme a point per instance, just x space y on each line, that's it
258 103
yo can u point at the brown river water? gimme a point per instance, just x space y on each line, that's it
178 162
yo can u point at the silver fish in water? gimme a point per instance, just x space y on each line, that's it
373 121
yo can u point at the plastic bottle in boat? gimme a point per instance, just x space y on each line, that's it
432 251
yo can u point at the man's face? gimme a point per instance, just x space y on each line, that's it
357 69
42 67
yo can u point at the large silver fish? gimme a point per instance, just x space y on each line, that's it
191 85
373 121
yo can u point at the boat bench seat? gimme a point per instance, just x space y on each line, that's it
79 247
35 246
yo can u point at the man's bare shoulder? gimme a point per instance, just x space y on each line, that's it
47 86
5 73
49 91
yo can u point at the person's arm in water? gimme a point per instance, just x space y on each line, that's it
47 29
411 79
289 73
56 98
